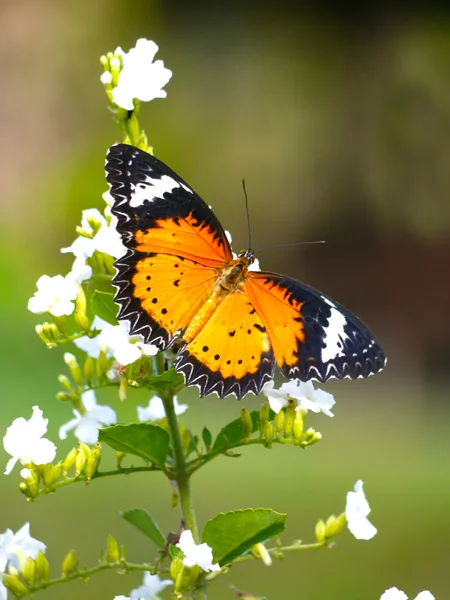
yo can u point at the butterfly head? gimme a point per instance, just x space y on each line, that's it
248 256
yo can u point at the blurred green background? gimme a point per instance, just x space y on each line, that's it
340 123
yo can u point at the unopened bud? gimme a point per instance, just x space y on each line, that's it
42 567
263 417
247 424
93 462
320 530
70 460
279 422
89 369
69 564
298 426
310 437
80 461
74 368
113 549
260 551
28 571
335 525
268 433
123 386
289 420
14 585
64 381
102 366
40 331
119 458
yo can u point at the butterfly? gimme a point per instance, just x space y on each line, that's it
180 282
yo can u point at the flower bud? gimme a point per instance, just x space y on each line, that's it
289 420
279 422
70 460
113 549
69 564
80 461
40 331
14 585
320 530
31 477
93 462
119 458
335 525
268 433
74 368
123 386
42 567
310 437
64 381
247 424
298 426
89 369
102 366
28 571
263 417
260 551
51 473
51 331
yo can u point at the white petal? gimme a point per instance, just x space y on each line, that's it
276 404
3 591
127 354
106 78
426 595
87 430
82 247
88 399
10 465
362 528
43 452
122 97
64 429
394 594
105 415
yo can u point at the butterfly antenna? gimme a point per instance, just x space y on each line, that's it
289 245
248 215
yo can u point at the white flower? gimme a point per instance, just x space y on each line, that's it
150 589
86 425
155 409
55 295
115 341
3 591
140 77
303 393
107 197
12 545
196 554
108 240
396 594
23 441
227 235
255 265
106 78
356 511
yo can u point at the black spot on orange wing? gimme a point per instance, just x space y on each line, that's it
162 314
227 364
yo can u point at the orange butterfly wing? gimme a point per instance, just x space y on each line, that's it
232 353
176 246
312 336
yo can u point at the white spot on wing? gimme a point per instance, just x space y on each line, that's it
150 189
334 336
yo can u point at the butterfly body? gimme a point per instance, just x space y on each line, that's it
180 281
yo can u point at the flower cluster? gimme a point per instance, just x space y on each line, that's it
14 547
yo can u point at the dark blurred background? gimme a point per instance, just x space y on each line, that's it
340 123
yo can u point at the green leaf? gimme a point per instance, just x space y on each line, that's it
141 519
207 438
232 534
103 305
150 442
233 433
169 380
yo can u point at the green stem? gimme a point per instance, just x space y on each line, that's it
181 473
84 574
